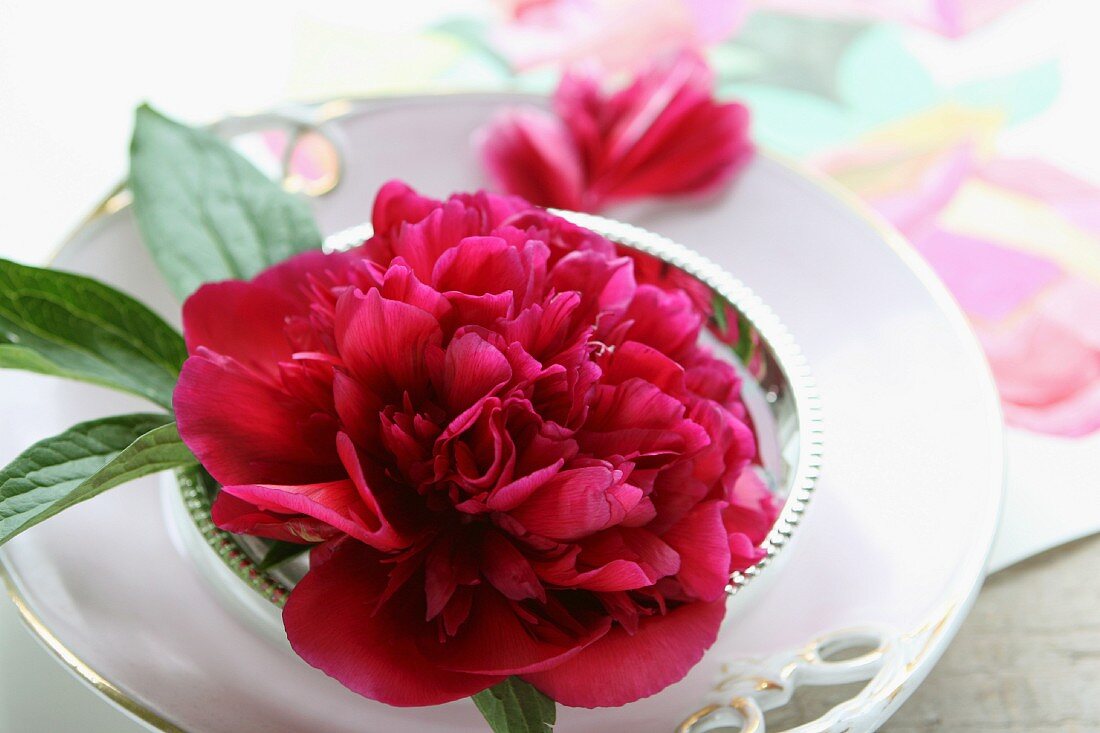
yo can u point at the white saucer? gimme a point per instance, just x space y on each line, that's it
895 543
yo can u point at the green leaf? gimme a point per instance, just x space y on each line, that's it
718 307
67 325
205 212
85 460
745 348
280 552
513 706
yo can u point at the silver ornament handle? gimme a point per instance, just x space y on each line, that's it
746 689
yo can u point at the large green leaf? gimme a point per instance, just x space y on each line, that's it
205 212
513 706
85 460
57 323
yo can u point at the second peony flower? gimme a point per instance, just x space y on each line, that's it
502 438
662 134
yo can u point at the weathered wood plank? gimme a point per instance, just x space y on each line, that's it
1027 659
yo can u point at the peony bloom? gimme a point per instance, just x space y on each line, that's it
513 455
663 134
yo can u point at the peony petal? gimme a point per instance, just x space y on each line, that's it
561 236
383 342
508 569
619 669
620 559
332 622
752 510
397 203
243 429
574 503
515 646
336 503
400 283
293 276
241 320
472 370
544 331
605 284
529 153
616 575
480 266
662 134
666 320
633 359
358 408
509 496
743 552
243 517
374 512
247 320
282 306
639 422
702 542
420 245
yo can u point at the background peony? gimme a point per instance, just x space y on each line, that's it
515 456
662 134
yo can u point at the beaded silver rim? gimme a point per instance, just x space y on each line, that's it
787 357
776 337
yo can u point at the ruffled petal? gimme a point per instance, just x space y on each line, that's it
334 623
472 370
397 203
336 503
383 342
243 517
702 542
244 429
662 134
241 320
517 645
529 153
619 668
508 569
577 502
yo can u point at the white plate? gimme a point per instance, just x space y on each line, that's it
895 543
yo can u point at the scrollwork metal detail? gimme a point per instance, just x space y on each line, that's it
747 689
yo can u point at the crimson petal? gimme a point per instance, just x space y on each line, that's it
334 622
243 517
383 342
572 504
515 648
619 668
702 542
336 503
244 429
530 153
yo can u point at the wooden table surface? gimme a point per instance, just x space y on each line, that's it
1027 659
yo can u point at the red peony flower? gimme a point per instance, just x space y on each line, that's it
513 453
663 134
